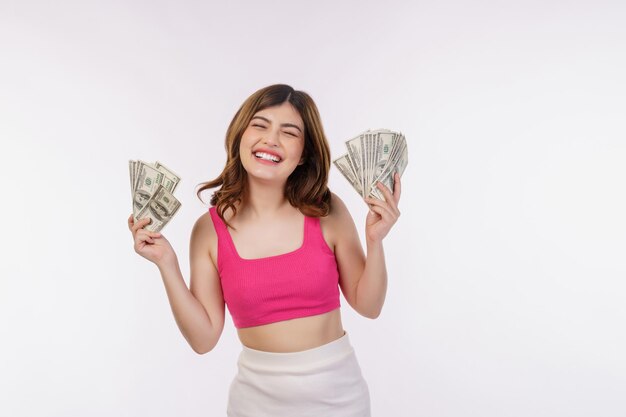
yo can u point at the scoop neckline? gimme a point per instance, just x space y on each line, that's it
280 255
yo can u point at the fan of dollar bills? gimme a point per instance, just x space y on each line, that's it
374 155
152 186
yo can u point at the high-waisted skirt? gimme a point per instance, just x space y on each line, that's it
323 381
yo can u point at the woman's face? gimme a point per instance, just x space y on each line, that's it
272 144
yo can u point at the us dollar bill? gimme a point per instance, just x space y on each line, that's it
131 169
160 209
373 156
387 140
355 154
389 165
343 164
170 179
147 181
152 187
387 176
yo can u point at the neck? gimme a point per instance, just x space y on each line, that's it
264 199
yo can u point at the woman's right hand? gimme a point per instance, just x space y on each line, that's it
151 245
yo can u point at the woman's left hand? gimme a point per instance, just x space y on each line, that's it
382 214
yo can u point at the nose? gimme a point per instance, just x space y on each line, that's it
271 138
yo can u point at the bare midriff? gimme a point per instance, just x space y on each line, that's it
294 335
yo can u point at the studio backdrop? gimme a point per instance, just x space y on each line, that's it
506 267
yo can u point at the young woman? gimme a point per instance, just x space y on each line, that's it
275 247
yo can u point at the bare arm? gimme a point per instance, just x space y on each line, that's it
363 277
198 310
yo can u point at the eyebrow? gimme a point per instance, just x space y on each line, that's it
282 125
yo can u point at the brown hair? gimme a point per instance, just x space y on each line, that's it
306 187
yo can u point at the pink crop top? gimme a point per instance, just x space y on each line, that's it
300 283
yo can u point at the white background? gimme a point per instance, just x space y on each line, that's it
506 268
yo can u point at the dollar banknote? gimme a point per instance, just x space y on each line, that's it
152 188
160 209
345 167
373 156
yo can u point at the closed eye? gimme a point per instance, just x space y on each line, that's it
291 133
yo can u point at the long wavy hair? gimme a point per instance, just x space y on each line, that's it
306 187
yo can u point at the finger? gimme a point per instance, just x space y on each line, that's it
144 240
397 188
382 212
140 246
143 236
390 198
131 222
386 192
389 206
380 203
141 223
147 233
391 210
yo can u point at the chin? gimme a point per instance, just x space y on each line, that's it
259 175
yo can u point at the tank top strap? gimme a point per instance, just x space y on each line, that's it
220 227
223 237
314 236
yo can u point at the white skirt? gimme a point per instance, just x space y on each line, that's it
324 381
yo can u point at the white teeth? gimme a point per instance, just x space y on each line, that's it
267 156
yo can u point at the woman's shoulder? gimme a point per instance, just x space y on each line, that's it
204 236
338 209
338 213
204 229
338 224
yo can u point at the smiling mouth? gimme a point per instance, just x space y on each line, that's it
267 157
